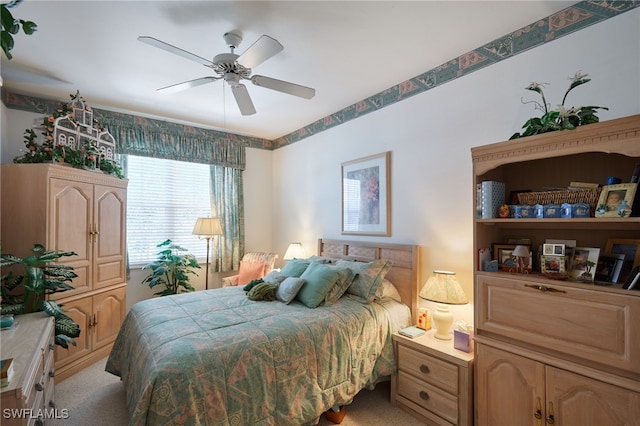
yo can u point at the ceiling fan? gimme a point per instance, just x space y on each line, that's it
232 68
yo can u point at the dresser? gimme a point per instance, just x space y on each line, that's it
64 208
549 351
434 381
28 399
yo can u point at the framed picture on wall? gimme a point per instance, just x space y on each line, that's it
366 197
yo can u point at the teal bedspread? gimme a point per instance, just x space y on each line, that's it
217 358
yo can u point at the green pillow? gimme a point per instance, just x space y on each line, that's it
345 278
295 268
368 277
318 280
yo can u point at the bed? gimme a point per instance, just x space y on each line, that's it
216 357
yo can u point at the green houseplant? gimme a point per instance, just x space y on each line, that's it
26 292
171 269
11 26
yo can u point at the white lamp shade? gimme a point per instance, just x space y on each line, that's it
207 227
520 251
295 251
443 287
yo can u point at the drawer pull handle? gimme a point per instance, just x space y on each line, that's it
424 368
39 422
52 374
544 289
52 404
424 395
51 346
39 387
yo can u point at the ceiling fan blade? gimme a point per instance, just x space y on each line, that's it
175 50
264 48
243 99
187 84
283 86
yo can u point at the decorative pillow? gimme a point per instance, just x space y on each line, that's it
295 268
274 277
288 289
320 259
387 291
345 278
318 280
250 271
263 291
368 277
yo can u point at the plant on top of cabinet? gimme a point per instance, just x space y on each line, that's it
25 293
171 269
561 118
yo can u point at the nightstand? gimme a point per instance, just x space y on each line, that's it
434 381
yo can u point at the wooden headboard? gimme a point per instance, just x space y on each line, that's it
404 273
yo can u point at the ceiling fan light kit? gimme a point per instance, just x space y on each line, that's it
232 68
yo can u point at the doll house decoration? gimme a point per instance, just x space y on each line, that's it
76 130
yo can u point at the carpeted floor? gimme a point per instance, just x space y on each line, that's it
95 397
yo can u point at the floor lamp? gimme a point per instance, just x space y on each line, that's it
207 228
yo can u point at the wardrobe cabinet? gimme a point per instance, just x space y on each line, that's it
69 209
548 351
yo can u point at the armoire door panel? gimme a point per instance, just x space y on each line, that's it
109 245
109 310
71 213
81 312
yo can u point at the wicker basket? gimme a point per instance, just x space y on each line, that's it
572 196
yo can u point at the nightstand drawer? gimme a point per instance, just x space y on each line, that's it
428 397
429 369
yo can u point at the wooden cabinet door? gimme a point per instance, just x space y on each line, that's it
81 312
509 389
109 311
108 235
575 400
70 218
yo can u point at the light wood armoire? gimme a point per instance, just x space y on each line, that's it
548 351
76 210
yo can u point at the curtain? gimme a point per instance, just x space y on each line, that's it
227 203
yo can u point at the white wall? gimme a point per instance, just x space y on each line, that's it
294 193
430 136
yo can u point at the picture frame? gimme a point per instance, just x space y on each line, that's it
506 262
631 250
553 249
612 196
553 264
366 196
579 269
609 267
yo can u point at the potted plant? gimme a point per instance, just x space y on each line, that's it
26 292
171 269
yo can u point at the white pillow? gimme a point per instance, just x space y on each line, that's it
387 291
288 289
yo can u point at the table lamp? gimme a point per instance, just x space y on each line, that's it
444 289
294 251
520 252
207 228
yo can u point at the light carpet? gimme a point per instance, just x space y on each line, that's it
95 397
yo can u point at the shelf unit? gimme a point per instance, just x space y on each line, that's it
530 330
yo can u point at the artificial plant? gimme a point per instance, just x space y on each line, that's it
11 26
171 269
561 118
41 276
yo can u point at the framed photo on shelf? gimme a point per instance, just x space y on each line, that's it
552 264
583 263
503 253
613 198
609 267
631 250
366 197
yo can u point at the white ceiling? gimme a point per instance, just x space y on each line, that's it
346 50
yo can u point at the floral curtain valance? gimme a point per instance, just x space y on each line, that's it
145 141
161 139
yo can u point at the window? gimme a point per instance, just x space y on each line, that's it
164 199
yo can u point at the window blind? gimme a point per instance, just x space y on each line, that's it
164 199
